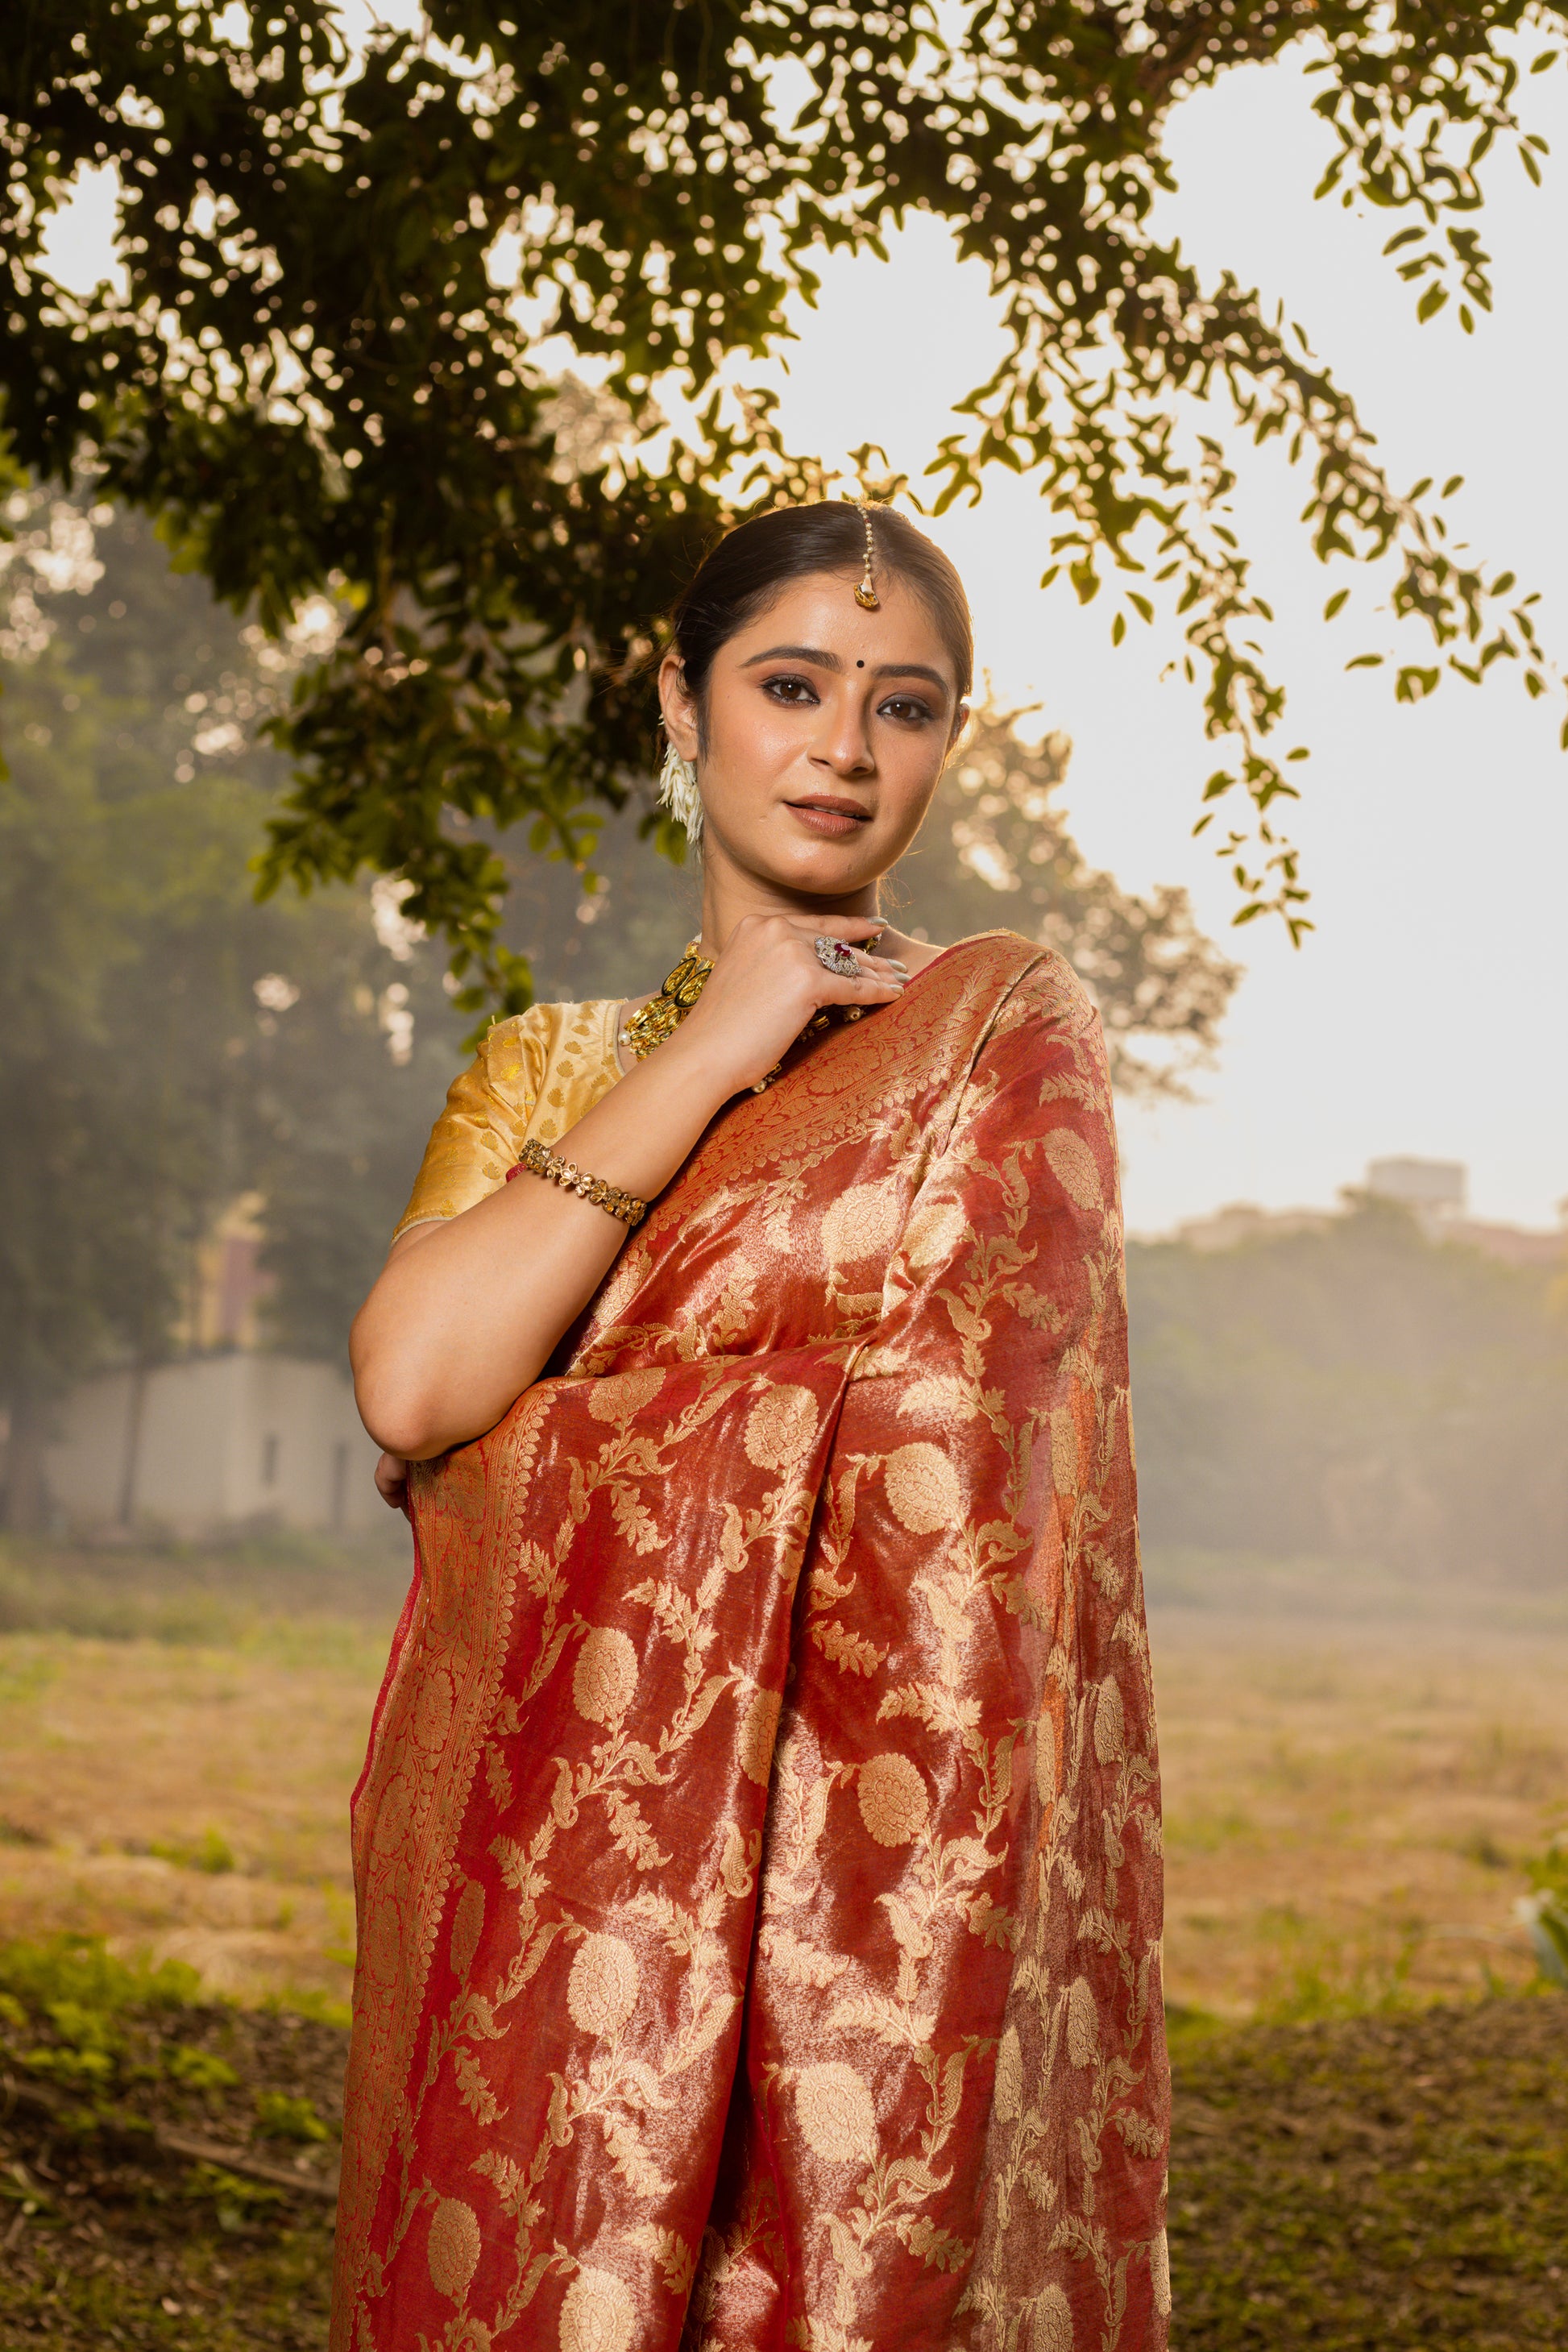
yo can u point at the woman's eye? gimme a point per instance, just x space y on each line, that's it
907 707
790 689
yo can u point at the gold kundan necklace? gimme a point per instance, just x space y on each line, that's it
662 1015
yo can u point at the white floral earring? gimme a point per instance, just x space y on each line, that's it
678 792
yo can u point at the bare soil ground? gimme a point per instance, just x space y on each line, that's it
1374 2184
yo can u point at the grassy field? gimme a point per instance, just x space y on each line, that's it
1351 1791
1355 1780
178 1738
1350 1798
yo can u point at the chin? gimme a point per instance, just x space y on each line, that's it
827 878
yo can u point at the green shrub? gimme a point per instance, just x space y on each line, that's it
211 1853
198 2070
80 1969
279 2116
1545 1912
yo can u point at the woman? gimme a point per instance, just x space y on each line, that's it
757 1852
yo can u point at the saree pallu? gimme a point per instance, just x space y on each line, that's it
758 1852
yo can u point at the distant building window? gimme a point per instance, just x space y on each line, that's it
269 1461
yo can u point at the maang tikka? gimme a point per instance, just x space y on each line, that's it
866 594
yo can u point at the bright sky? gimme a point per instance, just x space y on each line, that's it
1427 1012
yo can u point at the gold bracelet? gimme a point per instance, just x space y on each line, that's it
540 1161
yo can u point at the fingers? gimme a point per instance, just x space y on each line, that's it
863 987
391 1481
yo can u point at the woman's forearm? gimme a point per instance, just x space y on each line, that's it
466 1314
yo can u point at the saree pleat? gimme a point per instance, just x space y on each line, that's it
757 1856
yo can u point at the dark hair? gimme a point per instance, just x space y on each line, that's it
746 569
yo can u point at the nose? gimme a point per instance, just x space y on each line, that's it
843 744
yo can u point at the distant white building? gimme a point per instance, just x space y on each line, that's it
223 1437
1435 1189
213 1443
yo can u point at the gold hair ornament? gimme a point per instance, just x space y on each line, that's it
866 594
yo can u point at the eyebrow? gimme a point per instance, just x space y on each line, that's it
831 661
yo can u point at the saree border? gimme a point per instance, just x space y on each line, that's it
484 1622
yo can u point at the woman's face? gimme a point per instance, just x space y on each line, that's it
827 727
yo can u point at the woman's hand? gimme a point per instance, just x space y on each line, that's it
391 1481
765 986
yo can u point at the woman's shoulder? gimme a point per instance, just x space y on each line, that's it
1031 980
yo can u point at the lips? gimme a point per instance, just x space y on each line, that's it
828 815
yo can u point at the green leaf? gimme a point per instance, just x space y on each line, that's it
1336 603
1431 302
1365 661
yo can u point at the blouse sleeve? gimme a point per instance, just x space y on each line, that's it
480 1133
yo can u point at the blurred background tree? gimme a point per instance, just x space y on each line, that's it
315 355
1363 1394
168 1044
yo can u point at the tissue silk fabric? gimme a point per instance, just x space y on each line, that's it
758 1853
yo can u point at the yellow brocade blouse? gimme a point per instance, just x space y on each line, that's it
536 1075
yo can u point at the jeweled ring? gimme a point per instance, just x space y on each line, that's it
837 956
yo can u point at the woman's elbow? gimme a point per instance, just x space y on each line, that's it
391 1406
398 1424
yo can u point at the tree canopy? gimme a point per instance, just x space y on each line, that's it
320 365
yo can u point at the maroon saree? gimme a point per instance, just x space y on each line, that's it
758 1852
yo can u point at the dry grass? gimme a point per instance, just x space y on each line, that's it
1349 1800
189 1798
